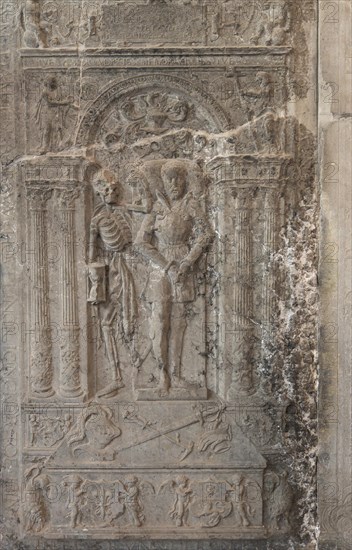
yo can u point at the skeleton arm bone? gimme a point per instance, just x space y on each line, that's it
92 243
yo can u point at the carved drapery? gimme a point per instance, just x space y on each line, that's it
70 376
41 367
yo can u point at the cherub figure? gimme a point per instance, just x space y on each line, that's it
183 492
33 425
130 495
36 512
239 497
76 498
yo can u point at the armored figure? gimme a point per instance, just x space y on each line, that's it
172 238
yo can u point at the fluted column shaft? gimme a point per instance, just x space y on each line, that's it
70 375
269 246
41 366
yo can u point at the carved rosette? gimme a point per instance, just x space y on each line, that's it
70 378
41 367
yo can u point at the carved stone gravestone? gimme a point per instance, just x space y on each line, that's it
161 367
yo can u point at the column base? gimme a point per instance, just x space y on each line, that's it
71 393
174 394
43 394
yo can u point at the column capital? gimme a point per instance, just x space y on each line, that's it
38 196
66 196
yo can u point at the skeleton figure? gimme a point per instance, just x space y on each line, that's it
172 238
111 226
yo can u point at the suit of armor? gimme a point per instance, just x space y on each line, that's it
172 238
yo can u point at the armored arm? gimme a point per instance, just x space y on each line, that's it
144 243
204 234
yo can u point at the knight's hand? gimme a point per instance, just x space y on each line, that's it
173 274
183 270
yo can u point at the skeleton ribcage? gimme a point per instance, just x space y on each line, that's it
115 231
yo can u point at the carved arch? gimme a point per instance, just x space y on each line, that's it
87 128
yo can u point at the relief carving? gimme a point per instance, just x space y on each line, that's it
37 514
278 500
34 35
176 189
94 433
236 498
273 29
182 490
173 237
46 431
51 115
70 380
76 499
217 433
130 495
41 366
214 509
113 292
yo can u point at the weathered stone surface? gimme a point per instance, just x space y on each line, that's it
160 238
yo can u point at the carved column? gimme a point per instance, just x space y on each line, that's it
70 375
243 297
242 368
41 367
269 246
